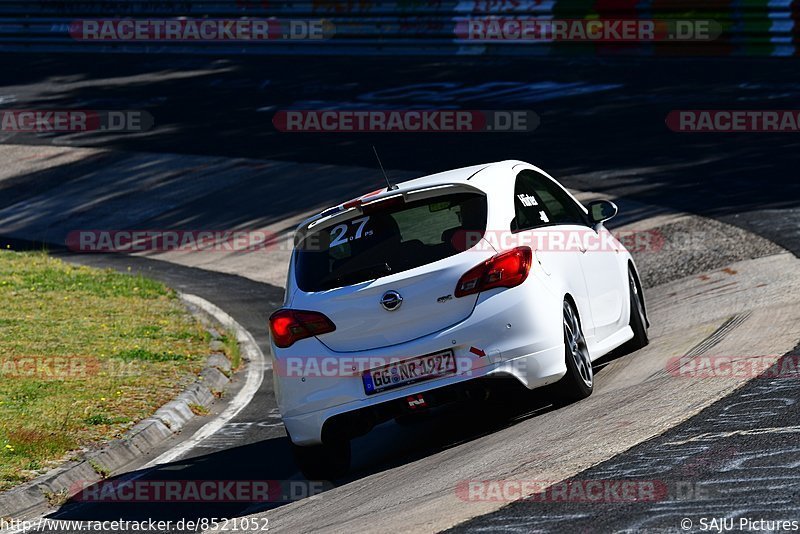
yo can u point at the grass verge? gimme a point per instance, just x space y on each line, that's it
231 349
84 355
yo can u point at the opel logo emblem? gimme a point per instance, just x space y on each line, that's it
391 300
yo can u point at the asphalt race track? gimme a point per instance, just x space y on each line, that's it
719 448
602 120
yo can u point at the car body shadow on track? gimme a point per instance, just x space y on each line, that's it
269 463
263 461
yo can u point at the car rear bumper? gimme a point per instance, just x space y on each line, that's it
358 417
512 332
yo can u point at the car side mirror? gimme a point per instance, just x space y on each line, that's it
601 210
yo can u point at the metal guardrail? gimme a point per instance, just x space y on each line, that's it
752 27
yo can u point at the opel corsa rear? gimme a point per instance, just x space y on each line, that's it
411 296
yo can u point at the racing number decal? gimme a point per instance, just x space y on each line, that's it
339 232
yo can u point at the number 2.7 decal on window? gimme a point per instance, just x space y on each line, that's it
340 231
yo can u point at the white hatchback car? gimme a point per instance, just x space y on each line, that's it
419 294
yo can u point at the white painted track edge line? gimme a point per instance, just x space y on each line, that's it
256 365
254 370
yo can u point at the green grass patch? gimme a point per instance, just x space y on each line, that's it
99 468
232 350
84 355
150 356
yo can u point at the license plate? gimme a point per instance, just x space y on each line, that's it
409 371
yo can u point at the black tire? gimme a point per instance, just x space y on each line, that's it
323 462
638 320
578 383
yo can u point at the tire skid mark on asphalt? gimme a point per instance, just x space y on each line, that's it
467 444
717 289
704 287
730 470
709 342
623 395
718 335
713 444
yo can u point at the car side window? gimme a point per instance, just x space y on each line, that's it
540 202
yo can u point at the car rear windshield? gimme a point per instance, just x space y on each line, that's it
384 241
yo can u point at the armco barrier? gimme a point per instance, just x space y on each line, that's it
749 27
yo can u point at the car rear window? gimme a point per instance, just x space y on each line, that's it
380 242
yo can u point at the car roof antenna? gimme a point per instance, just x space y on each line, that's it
390 185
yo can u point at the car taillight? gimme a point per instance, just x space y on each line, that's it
507 269
288 326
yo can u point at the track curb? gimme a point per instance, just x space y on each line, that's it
46 492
